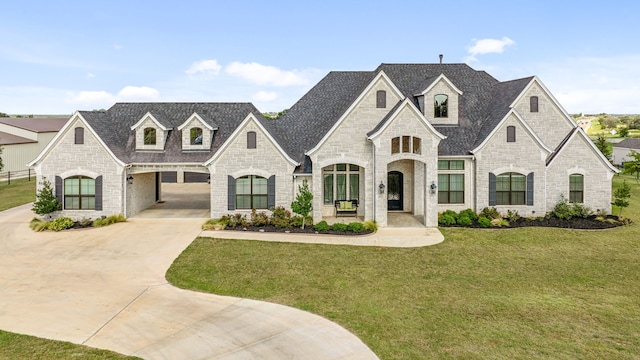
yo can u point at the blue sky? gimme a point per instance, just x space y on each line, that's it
60 56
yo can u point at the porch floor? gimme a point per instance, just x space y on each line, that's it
394 220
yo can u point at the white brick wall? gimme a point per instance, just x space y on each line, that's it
239 161
88 159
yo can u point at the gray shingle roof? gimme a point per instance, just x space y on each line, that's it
630 143
114 127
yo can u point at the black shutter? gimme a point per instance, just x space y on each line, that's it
58 187
98 183
231 193
492 189
271 192
530 189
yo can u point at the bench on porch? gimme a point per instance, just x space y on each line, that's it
346 207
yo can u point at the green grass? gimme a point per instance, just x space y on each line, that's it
15 346
19 192
499 294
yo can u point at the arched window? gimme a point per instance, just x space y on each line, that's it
381 99
511 134
79 193
441 106
251 192
533 104
576 188
149 136
251 140
196 136
511 189
79 135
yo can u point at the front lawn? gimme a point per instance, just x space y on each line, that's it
501 294
19 192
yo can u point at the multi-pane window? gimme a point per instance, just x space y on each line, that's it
450 164
576 188
511 134
251 192
195 136
511 189
450 188
406 144
533 104
340 182
79 193
441 106
149 136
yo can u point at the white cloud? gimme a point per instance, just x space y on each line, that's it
264 96
208 67
90 76
138 93
266 75
118 47
92 97
488 46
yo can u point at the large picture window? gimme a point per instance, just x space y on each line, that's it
251 192
341 182
576 188
450 188
511 189
79 193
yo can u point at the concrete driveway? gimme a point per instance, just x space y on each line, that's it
105 288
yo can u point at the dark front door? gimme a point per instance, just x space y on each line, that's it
394 190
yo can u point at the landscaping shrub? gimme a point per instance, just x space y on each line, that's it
370 225
214 224
61 223
446 219
499 223
322 226
451 213
512 215
581 211
280 217
464 220
38 225
562 209
490 213
236 220
469 213
484 222
104 221
259 218
356 227
339 227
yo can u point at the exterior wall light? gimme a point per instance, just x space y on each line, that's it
433 187
130 179
381 187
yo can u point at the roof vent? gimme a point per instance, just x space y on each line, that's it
440 56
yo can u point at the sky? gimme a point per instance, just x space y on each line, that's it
57 57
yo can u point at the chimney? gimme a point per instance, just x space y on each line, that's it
441 56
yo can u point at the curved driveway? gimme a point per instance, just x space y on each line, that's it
106 288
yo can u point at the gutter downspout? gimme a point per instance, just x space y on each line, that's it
373 178
124 183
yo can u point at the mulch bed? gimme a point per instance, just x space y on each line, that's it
588 223
297 230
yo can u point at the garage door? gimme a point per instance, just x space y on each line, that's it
169 176
193 177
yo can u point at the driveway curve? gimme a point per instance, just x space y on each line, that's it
106 288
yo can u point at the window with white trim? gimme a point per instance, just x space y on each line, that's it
340 182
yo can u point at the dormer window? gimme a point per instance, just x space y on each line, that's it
441 106
149 136
196 136
381 99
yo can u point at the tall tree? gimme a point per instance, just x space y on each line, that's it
46 202
603 145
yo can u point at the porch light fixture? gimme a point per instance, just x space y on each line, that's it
130 179
381 187
208 179
433 187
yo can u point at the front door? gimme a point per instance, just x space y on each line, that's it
394 190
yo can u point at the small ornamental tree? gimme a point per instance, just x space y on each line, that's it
1 163
46 202
621 197
303 203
